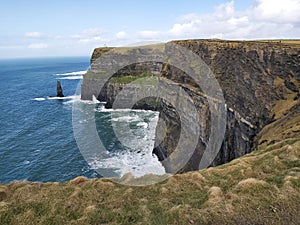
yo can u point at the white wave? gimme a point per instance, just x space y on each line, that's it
66 97
77 98
138 158
142 124
26 162
126 118
135 163
89 102
102 108
71 78
39 99
72 73
72 99
95 100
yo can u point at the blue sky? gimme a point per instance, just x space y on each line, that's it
34 28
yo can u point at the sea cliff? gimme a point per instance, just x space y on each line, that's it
254 76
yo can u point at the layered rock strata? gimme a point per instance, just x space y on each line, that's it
254 77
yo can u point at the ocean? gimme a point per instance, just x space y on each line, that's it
37 140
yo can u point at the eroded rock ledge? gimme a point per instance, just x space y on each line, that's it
254 77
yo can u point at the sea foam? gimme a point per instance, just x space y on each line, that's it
137 157
39 99
72 73
70 78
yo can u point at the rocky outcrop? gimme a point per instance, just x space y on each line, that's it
59 90
254 77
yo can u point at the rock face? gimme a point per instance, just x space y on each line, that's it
254 77
59 89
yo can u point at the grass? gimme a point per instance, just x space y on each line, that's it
125 50
142 79
284 41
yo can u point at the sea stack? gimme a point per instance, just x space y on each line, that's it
59 89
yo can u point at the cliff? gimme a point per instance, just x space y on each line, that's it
262 187
254 76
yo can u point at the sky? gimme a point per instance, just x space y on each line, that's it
35 28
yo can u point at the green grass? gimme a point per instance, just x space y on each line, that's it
144 78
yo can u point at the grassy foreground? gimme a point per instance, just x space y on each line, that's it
260 188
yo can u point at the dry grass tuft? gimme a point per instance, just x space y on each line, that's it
78 180
249 183
215 195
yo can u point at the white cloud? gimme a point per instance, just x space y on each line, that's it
93 40
225 10
121 35
92 32
278 11
264 19
37 35
90 36
89 33
37 46
185 29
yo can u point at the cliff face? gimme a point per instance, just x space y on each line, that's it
257 79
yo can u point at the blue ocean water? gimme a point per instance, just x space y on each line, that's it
36 137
